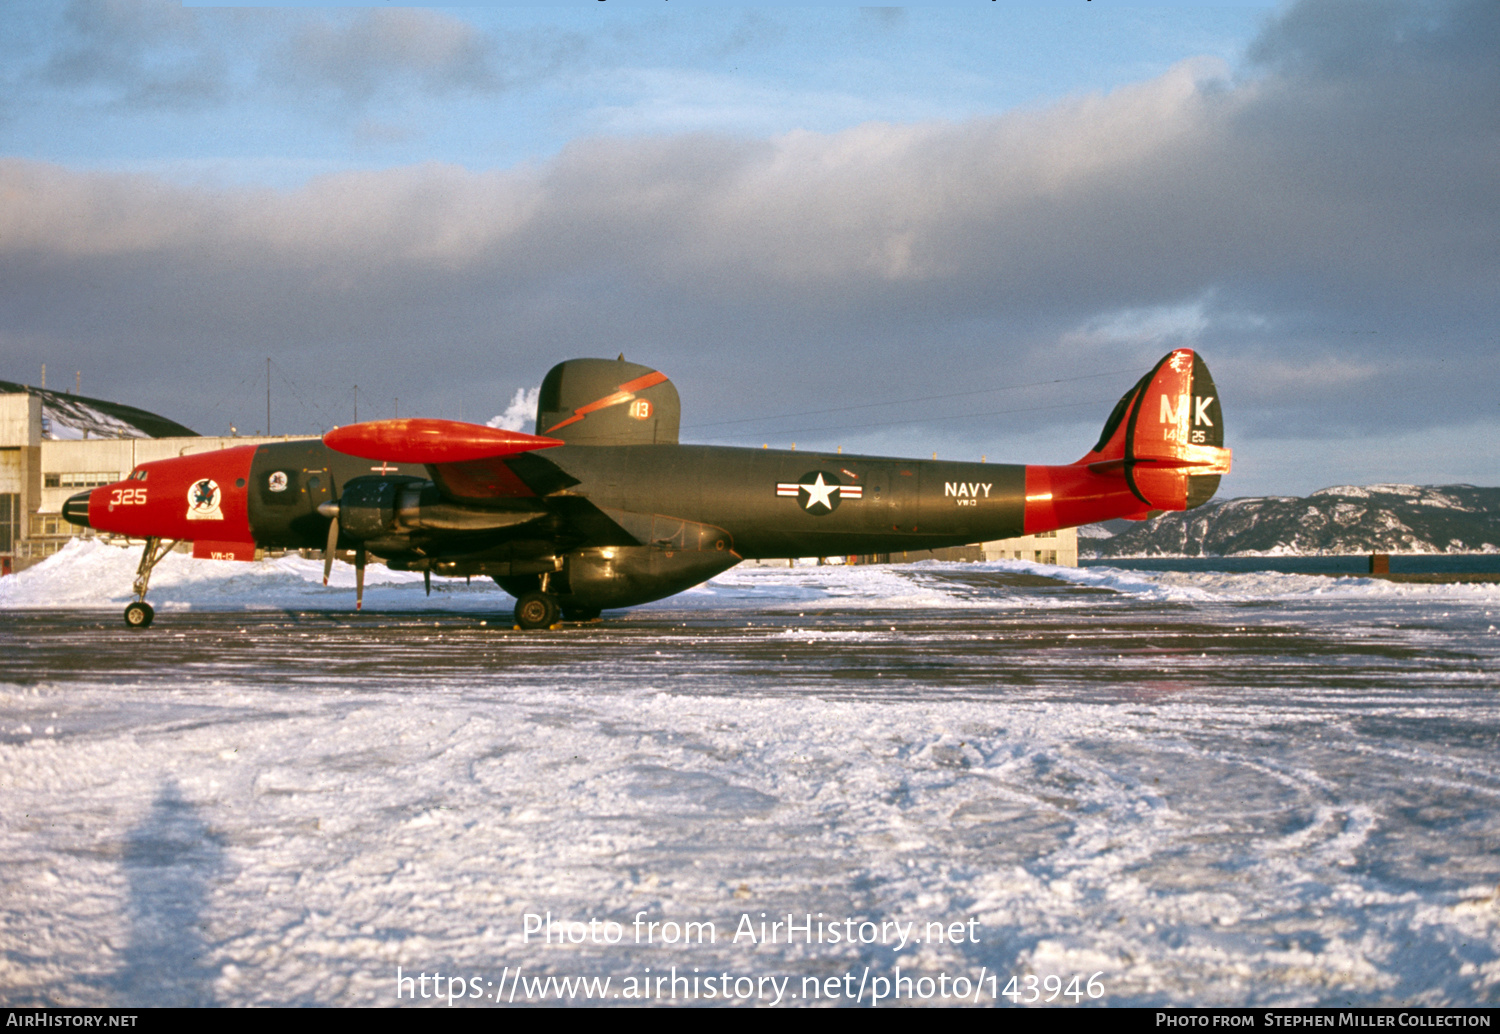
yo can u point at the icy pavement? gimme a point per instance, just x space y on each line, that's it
1194 788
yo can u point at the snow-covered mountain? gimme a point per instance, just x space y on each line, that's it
1346 519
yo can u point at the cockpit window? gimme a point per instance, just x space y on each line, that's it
138 475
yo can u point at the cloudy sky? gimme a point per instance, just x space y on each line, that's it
962 230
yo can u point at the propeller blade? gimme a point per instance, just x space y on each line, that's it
427 581
330 510
359 578
330 547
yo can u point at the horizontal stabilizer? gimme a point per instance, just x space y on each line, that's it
418 440
1195 459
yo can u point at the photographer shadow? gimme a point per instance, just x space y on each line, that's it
171 861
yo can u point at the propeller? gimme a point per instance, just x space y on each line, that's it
331 511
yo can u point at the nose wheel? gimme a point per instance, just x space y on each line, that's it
140 614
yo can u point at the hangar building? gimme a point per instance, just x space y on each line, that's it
53 444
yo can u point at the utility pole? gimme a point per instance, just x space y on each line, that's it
78 383
356 403
44 375
268 396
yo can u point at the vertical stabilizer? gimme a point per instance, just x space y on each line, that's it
608 402
1166 436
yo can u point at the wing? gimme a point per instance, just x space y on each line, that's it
477 466
466 461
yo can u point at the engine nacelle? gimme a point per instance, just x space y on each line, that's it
676 555
390 510
367 507
624 576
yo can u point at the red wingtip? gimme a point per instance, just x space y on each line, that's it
419 440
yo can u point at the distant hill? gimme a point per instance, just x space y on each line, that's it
1347 519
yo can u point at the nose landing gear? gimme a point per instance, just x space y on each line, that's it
139 614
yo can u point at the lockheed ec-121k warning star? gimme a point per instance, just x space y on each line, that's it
603 508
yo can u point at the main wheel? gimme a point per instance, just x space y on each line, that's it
139 615
536 610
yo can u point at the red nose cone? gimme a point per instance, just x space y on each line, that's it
76 509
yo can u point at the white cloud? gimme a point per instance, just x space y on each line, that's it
359 55
1160 326
520 415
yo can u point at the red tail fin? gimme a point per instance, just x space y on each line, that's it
1166 436
1162 448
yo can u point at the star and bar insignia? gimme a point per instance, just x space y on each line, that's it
823 490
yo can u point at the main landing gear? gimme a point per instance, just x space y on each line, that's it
139 614
541 610
537 610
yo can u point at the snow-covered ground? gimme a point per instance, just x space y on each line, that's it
1193 788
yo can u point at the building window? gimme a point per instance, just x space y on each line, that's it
1045 535
80 479
45 524
1046 556
10 520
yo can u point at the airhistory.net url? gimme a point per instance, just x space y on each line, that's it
854 987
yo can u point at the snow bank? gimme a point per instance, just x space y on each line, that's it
89 573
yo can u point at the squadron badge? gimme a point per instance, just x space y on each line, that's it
203 501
